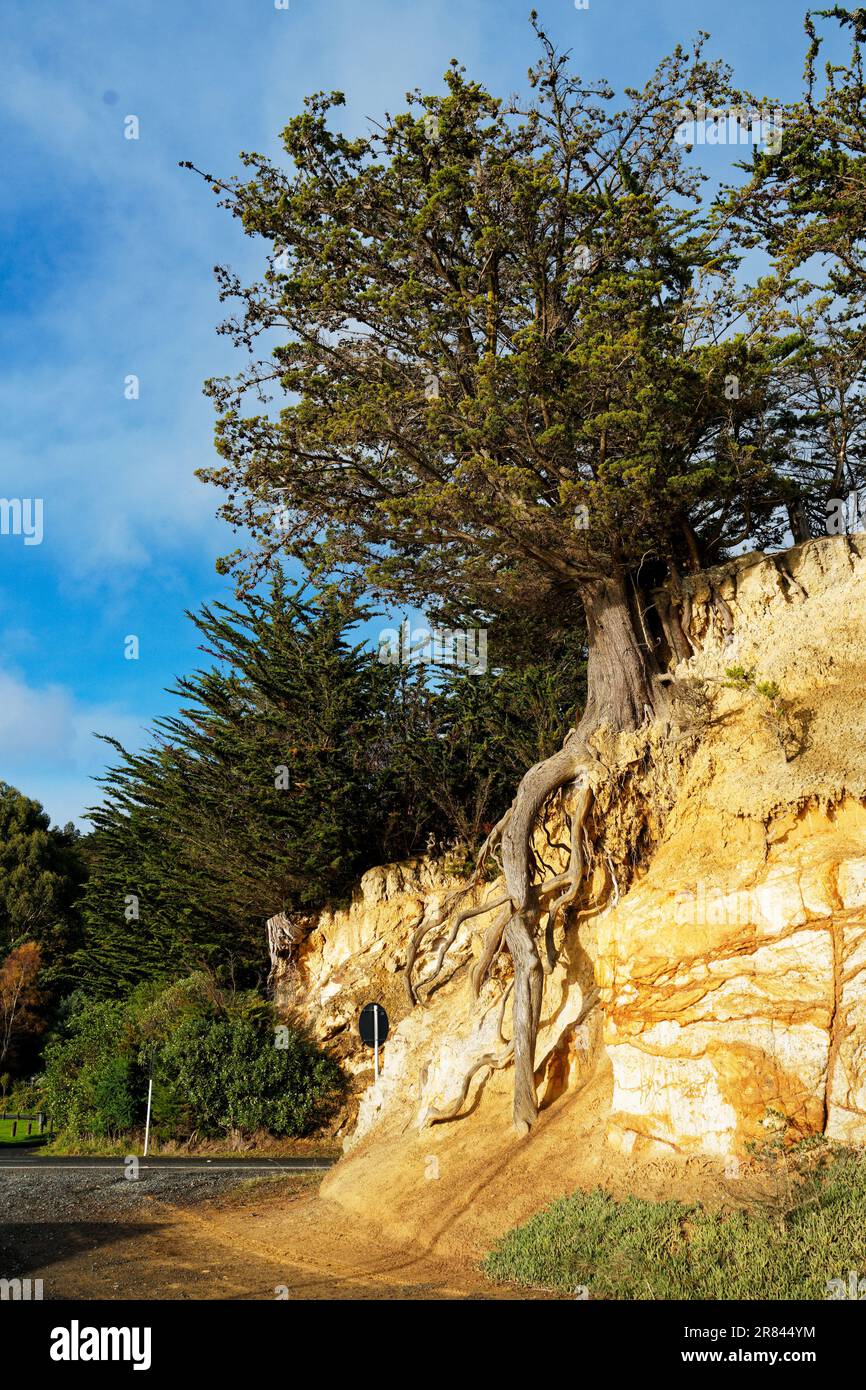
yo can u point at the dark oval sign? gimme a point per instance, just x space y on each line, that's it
373 1020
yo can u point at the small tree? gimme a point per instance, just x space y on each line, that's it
21 1000
42 870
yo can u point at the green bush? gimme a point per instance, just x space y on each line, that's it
213 1057
92 1084
233 1076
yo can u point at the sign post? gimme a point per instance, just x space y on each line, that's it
147 1121
373 1027
149 1101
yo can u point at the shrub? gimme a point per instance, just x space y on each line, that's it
637 1249
233 1076
92 1084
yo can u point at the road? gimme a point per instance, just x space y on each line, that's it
15 1158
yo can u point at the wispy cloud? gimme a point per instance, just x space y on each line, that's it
48 745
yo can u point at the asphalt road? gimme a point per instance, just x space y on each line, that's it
33 1159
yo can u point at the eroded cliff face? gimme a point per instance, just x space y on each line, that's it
711 993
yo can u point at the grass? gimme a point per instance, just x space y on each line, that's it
21 1137
636 1249
89 1146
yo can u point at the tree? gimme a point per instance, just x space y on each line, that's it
21 1000
805 205
513 389
806 200
42 870
92 1083
262 795
826 379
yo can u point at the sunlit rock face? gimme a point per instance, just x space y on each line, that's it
733 1014
720 986
732 973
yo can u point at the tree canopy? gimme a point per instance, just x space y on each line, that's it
507 340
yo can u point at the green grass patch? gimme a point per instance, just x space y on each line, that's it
21 1137
636 1249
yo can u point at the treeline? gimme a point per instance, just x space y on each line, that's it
297 760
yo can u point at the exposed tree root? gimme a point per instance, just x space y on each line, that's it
624 691
436 1117
524 903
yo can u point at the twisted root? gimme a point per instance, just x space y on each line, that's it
436 1117
524 902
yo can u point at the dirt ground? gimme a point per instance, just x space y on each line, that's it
95 1235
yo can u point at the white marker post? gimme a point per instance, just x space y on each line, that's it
147 1121
376 1043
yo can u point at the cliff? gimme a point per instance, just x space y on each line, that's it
711 995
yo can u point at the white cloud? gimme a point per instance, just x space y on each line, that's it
47 744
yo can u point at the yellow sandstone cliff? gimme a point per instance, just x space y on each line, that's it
714 1001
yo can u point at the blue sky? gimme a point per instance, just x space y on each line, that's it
106 256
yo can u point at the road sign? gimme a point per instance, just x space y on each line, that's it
373 1027
373 1024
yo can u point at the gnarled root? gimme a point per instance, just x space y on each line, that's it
572 878
526 1014
518 913
435 1117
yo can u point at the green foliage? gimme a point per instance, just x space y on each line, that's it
498 316
789 725
743 678
91 1084
260 796
213 1057
42 870
232 1076
636 1249
461 746
805 205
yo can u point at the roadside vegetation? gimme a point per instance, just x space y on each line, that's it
592 1245
221 1067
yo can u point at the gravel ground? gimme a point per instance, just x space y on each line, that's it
97 1234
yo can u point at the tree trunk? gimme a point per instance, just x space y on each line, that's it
621 672
622 691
